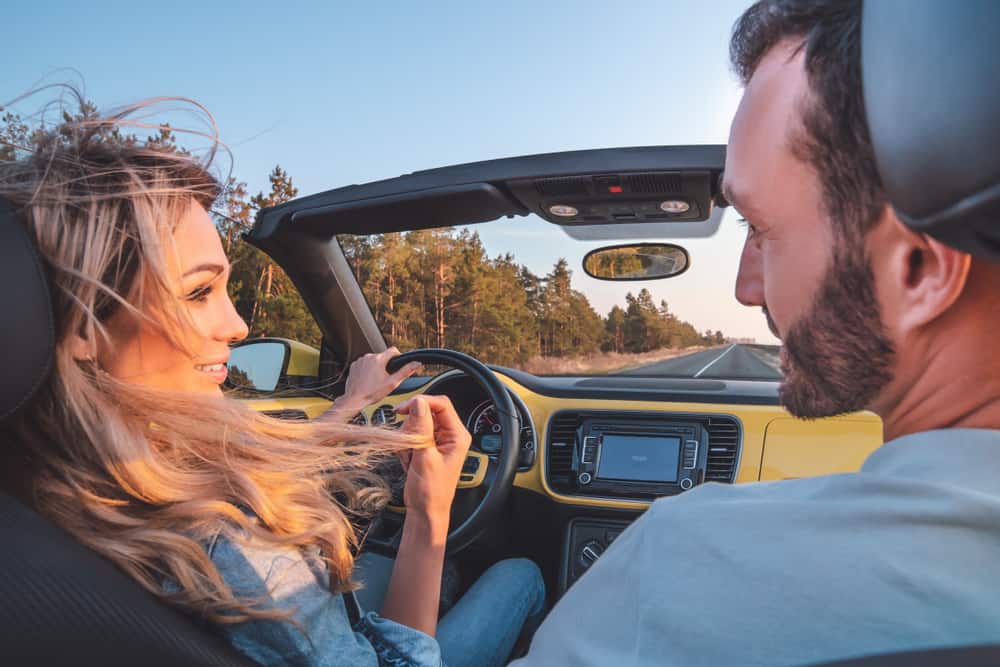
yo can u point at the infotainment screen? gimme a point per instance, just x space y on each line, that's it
639 458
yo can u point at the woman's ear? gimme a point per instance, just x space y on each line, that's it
81 348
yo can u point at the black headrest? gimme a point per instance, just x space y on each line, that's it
932 94
65 605
27 337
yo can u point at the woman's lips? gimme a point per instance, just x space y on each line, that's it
217 372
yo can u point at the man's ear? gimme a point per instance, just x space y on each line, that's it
928 276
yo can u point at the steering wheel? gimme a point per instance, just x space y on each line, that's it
496 477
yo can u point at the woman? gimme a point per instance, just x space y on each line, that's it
235 517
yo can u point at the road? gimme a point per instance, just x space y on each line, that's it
758 362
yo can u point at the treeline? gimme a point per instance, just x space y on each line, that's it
440 288
427 288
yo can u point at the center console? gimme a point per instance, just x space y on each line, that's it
640 459
630 456
586 539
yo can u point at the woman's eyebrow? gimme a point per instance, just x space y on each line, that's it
214 268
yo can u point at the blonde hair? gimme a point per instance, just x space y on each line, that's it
146 477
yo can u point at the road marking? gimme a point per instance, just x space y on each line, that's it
712 362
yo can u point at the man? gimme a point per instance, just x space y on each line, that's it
899 556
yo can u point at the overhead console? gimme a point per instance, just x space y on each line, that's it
638 455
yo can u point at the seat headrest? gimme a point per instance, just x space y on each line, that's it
932 95
27 338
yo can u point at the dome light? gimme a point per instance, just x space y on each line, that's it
563 211
675 206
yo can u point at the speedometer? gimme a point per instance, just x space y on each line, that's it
485 427
487 433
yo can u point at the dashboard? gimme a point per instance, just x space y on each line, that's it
769 443
747 435
596 451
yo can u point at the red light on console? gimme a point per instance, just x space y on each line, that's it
616 189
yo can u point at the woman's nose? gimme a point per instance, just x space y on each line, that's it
234 328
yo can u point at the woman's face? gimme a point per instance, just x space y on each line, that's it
197 271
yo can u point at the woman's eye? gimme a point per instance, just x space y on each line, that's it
200 294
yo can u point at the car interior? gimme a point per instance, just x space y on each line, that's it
551 473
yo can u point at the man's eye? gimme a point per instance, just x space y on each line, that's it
751 230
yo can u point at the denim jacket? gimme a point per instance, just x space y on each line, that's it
290 579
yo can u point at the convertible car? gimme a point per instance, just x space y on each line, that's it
562 460
560 464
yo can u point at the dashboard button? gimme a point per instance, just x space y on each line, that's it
584 478
686 483
590 552
526 457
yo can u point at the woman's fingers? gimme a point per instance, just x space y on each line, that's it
404 458
418 416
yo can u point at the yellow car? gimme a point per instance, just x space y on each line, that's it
501 273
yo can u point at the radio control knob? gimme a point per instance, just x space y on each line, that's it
584 478
686 483
590 552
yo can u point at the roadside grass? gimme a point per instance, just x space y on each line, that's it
603 363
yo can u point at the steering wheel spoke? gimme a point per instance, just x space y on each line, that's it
474 470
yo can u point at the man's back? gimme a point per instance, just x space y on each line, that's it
901 555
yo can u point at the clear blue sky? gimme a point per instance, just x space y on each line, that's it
348 92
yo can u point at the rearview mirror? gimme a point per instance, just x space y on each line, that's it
639 261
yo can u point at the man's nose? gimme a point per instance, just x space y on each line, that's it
750 278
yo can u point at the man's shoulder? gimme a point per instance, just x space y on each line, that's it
792 510
766 495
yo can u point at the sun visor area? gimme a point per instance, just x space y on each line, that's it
447 206
633 192
647 230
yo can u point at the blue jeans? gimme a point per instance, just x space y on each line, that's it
482 627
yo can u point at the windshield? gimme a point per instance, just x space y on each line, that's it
514 293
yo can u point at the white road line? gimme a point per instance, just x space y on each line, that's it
712 362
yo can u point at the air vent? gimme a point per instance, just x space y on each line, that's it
563 187
654 183
561 445
723 449
297 415
384 415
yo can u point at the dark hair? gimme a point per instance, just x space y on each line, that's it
836 140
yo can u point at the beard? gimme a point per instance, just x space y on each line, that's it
838 357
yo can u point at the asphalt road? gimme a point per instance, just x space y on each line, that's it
734 361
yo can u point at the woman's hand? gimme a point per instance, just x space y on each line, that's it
432 473
368 381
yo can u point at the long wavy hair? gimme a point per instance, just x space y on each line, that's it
147 477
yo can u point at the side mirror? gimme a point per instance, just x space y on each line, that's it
258 365
639 261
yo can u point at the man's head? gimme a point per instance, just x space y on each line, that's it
847 287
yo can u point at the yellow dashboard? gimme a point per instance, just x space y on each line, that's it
774 445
